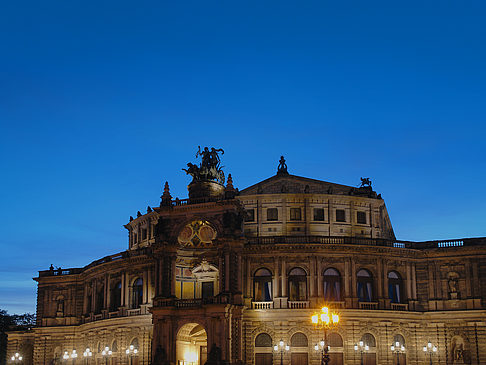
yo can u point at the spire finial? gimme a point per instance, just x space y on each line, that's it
229 183
166 198
282 166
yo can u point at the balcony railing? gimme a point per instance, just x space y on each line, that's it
298 304
133 312
338 240
368 305
192 303
262 305
399 306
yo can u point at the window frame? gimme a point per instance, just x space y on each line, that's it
338 216
272 218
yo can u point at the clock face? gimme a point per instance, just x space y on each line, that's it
198 234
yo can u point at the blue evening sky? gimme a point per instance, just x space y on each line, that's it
102 102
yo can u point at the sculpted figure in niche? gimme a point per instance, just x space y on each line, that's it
452 278
458 350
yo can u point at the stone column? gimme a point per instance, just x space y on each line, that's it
145 286
284 216
409 282
123 289
320 279
227 272
107 292
172 275
414 282
248 278
239 273
284 278
312 267
347 278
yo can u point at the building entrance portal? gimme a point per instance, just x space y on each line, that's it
192 345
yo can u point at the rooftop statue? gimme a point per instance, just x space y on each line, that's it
365 181
210 168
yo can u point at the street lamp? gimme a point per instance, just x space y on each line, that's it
16 358
131 351
362 348
74 355
398 349
87 354
430 349
325 320
282 347
106 353
324 351
65 356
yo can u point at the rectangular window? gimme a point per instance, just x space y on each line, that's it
340 215
272 214
361 217
250 215
144 234
319 214
207 289
295 214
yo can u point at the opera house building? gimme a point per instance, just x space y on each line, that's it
289 271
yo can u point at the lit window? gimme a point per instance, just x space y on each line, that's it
332 285
262 286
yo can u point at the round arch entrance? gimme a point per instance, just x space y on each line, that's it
192 345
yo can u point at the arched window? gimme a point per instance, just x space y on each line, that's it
134 343
297 284
332 285
369 357
400 339
335 340
137 293
114 346
262 286
263 340
365 286
369 339
298 340
263 349
115 300
395 285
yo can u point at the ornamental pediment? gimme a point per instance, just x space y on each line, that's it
295 185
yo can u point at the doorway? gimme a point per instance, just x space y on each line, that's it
191 345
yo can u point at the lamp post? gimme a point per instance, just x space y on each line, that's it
74 356
16 358
324 351
430 349
106 353
397 349
325 320
362 348
87 354
282 346
131 351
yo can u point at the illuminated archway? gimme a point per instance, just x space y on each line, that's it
191 345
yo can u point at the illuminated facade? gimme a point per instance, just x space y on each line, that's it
225 275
